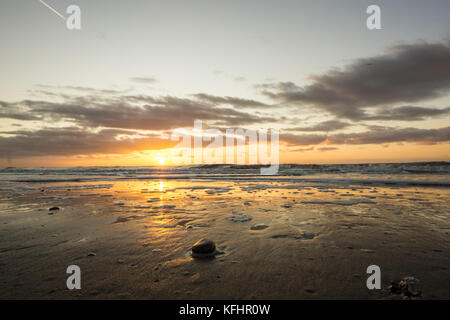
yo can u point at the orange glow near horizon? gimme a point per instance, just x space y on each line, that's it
342 154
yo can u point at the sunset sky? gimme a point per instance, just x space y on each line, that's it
112 92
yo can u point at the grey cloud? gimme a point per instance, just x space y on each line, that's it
234 101
407 73
74 141
144 79
134 112
323 149
407 113
330 125
15 111
303 139
301 149
19 116
376 135
388 135
87 90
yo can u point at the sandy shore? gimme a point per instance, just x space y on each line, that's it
132 240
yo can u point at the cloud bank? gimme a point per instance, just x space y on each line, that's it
393 86
405 74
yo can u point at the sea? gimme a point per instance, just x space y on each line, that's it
420 174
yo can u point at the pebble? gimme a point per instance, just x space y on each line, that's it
260 226
204 246
408 286
52 210
308 235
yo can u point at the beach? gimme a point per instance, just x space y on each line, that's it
309 232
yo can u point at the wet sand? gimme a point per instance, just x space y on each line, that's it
132 240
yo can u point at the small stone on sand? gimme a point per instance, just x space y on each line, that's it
260 226
204 246
408 286
121 219
308 235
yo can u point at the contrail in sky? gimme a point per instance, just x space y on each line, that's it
48 6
